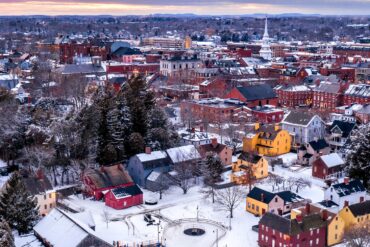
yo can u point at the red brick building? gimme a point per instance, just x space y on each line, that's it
215 87
328 95
133 68
294 95
346 74
68 50
267 114
254 95
124 197
351 51
357 93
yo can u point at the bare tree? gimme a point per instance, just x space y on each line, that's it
209 191
230 198
184 177
275 181
358 235
106 217
301 183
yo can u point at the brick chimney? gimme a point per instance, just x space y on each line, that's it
39 174
346 180
262 197
148 150
308 208
299 218
346 204
324 215
362 199
214 142
192 130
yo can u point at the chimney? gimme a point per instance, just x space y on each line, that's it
299 218
346 180
39 174
256 126
308 208
324 215
262 197
362 199
214 142
148 150
192 130
346 204
277 127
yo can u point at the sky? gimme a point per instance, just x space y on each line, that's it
201 7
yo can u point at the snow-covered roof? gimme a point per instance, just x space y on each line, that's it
60 230
153 176
183 153
155 155
85 217
2 164
332 160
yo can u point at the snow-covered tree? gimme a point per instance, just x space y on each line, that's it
212 168
358 159
6 236
17 206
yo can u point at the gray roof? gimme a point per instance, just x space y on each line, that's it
69 69
300 118
257 92
328 87
354 186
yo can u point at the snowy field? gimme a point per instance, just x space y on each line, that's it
128 225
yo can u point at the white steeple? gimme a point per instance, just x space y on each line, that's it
265 51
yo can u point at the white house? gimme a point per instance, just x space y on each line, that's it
349 192
303 127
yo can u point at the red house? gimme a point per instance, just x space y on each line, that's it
97 182
276 230
254 95
330 165
124 197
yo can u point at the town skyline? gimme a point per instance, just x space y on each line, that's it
144 7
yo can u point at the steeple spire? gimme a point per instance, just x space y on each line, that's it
266 34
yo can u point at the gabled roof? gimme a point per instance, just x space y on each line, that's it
209 147
122 192
360 209
183 154
332 160
318 145
249 157
292 227
289 197
299 118
37 186
108 176
256 194
353 186
257 92
345 127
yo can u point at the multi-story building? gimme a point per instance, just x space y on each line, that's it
269 140
179 65
328 95
357 93
303 127
294 95
163 42
249 166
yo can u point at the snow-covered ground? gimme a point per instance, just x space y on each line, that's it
128 226
26 241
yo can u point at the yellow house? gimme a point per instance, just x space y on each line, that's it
355 214
248 165
258 201
335 230
268 140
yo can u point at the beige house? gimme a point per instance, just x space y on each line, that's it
40 187
222 151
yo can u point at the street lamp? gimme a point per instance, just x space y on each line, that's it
158 231
216 236
197 213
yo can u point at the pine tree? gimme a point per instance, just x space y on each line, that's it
358 159
212 168
6 236
17 206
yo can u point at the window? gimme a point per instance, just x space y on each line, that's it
297 236
257 208
310 242
276 199
263 237
336 236
317 231
273 231
317 240
45 206
44 197
50 196
51 205
311 232
336 227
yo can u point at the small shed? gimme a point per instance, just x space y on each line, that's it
124 197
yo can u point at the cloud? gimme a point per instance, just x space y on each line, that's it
122 7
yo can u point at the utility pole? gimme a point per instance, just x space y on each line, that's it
216 236
158 231
197 213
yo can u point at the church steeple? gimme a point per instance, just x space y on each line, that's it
266 34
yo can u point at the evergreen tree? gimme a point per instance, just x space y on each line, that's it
140 101
212 168
137 144
17 206
6 236
358 159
